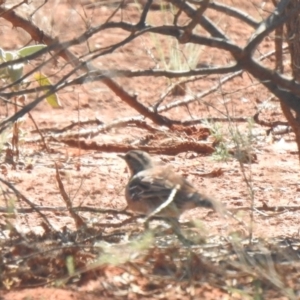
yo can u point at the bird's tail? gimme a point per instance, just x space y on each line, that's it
201 200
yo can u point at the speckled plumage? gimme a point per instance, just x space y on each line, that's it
150 185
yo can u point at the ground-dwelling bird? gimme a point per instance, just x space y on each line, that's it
158 190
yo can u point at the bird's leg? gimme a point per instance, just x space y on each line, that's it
147 223
176 228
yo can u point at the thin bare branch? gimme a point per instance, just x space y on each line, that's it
67 55
233 12
203 21
185 37
22 197
142 22
193 98
90 133
277 18
24 210
78 220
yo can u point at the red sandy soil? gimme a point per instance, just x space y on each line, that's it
94 178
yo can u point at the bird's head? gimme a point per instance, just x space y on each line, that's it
137 161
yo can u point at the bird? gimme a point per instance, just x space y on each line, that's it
151 185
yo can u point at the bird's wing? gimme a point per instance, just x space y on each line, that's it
149 185
158 188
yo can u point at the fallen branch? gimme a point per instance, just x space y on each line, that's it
32 205
89 133
173 149
78 220
268 124
25 210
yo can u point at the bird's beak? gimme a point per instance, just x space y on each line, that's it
122 156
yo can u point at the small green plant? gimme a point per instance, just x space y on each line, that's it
116 255
14 72
243 138
11 75
170 55
221 152
232 142
70 264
